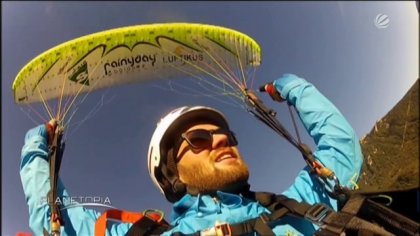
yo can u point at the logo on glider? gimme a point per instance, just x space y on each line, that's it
81 75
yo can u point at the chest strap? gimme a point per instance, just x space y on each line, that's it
149 222
330 222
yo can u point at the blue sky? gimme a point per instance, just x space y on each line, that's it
362 69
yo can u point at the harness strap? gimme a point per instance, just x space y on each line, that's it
143 223
390 220
259 225
55 154
147 226
348 221
329 221
123 216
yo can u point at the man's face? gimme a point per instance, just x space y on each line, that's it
212 168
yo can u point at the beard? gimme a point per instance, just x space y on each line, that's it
205 177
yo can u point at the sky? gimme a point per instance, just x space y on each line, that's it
363 69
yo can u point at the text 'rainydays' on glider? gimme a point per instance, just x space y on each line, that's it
220 58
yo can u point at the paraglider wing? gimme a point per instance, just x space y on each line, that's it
131 54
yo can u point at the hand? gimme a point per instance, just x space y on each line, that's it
51 127
272 91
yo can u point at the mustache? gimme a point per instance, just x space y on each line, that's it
220 151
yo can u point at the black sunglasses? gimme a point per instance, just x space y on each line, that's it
201 139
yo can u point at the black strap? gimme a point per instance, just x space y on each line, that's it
329 221
55 154
147 226
353 219
390 220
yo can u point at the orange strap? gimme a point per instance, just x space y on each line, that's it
321 170
123 216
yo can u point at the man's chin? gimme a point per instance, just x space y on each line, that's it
217 177
231 173
232 185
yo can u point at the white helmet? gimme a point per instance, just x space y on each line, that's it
161 155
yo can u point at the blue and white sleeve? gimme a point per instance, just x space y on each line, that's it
337 146
34 173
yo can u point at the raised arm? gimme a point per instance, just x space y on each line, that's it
337 146
34 173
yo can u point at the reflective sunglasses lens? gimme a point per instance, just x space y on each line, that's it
229 134
199 139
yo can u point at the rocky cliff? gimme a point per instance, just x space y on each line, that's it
391 149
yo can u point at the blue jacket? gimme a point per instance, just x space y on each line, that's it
337 148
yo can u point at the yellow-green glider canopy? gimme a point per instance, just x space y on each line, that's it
132 54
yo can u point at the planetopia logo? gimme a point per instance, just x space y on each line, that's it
81 201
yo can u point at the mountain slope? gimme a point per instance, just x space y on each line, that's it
391 149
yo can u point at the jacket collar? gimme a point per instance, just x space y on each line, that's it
204 204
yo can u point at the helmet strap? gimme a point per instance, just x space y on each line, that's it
174 189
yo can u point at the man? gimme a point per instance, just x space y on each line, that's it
194 161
